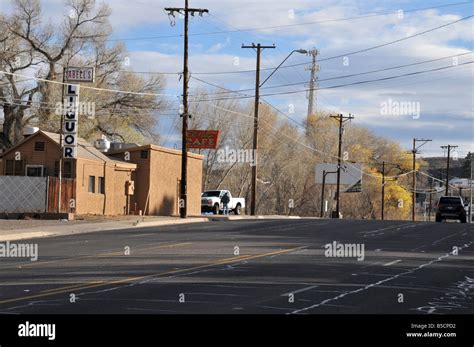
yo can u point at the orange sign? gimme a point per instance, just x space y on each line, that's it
202 139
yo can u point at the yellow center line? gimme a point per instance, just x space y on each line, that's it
132 279
99 255
69 287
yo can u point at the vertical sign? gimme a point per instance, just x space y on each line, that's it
70 123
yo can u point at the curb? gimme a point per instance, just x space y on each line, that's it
22 234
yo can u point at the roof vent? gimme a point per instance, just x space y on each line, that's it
102 145
29 130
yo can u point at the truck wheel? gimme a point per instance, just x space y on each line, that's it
215 209
238 209
438 218
463 219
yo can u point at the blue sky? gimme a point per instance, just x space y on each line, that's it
445 97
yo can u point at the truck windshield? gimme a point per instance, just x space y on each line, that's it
211 193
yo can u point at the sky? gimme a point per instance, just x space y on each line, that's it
440 102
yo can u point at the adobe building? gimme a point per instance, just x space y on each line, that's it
95 181
157 179
100 180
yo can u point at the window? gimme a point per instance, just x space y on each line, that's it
144 154
34 170
91 184
101 185
14 167
39 146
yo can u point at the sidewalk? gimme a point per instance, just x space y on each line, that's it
11 230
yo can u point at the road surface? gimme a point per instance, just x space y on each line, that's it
253 266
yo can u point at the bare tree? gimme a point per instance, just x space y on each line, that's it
80 40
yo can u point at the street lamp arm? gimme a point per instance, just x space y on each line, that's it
301 51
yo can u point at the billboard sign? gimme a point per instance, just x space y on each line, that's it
203 139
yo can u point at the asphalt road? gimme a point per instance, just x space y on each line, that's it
280 268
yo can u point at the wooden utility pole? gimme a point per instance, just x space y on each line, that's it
258 47
413 194
448 147
341 119
183 205
383 189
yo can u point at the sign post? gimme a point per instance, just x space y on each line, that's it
68 132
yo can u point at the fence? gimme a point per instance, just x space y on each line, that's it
23 194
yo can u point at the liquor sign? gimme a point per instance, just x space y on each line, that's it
203 139
79 74
70 122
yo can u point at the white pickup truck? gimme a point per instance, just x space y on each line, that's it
211 202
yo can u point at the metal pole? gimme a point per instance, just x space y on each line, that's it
339 153
383 189
470 190
312 84
60 168
431 199
322 194
413 194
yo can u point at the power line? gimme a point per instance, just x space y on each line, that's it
400 11
305 63
349 84
340 77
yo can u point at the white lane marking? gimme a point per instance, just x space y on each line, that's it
368 232
368 286
392 262
299 290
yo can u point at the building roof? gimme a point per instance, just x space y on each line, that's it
85 150
155 148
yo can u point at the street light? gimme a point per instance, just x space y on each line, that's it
259 48
300 51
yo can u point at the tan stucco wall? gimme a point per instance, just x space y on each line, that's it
113 202
166 174
162 170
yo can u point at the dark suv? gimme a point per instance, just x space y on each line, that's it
451 207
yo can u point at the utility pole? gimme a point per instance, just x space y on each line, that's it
383 190
314 68
183 204
448 147
258 47
342 120
413 194
431 199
